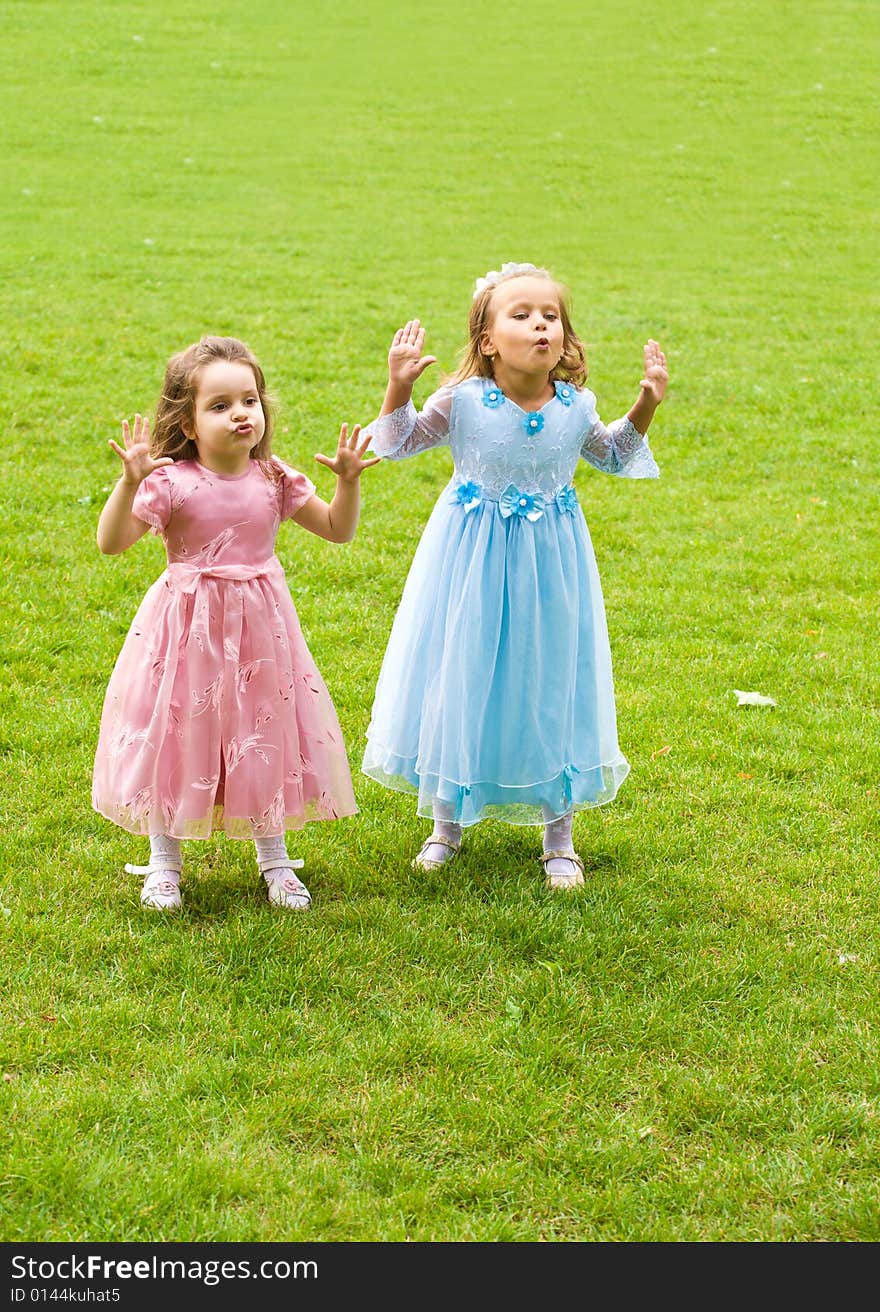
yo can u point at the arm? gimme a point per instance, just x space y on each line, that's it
337 522
118 528
653 388
622 448
400 430
406 364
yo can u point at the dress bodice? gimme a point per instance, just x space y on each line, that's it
496 444
209 519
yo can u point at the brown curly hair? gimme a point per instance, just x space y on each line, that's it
176 406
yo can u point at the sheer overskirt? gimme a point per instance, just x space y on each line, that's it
496 695
216 716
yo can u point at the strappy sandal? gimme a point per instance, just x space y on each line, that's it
567 879
284 889
160 892
422 862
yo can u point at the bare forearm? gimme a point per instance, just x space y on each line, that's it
396 394
345 509
118 529
336 522
641 414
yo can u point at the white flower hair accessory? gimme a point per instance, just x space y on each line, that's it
497 275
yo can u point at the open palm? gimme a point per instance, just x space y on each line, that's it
405 360
137 462
348 463
656 375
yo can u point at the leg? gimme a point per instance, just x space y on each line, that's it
276 867
443 843
161 890
563 866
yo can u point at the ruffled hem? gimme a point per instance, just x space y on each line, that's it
216 820
573 788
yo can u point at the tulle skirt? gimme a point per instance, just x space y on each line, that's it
495 697
216 717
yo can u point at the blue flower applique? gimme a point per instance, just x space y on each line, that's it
533 422
468 495
523 504
564 392
493 397
566 500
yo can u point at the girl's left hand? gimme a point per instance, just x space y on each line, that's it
656 375
348 463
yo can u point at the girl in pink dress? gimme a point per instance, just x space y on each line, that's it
215 715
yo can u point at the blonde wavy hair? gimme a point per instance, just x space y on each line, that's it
572 364
176 408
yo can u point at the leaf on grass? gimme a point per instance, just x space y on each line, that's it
844 958
645 1131
743 774
8 1077
661 751
752 698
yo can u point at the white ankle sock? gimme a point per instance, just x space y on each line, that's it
448 832
557 838
165 854
271 852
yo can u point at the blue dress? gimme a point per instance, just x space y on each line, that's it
495 697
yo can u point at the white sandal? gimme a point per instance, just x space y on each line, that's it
567 878
285 890
422 862
161 890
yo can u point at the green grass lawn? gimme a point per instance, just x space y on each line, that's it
687 1050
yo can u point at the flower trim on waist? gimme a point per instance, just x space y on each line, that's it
514 502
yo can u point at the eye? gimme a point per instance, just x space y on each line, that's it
252 400
551 314
219 405
520 314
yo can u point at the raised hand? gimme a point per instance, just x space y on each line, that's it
137 462
405 360
656 375
348 463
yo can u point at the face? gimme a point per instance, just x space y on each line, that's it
525 326
228 419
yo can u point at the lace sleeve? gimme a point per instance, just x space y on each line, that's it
619 449
407 431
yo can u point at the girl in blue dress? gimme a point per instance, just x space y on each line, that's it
495 697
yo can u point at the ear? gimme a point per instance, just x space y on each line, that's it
487 346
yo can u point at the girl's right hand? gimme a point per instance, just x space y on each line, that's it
137 462
405 360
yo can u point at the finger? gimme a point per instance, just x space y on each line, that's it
324 460
364 445
413 331
146 431
425 361
352 441
137 428
125 432
397 338
118 449
377 460
163 460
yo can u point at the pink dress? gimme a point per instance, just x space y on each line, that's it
215 715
